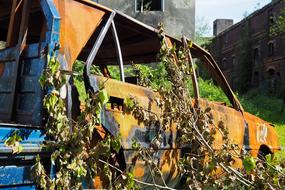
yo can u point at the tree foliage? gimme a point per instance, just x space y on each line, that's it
195 128
278 27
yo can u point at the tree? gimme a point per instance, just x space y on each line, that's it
202 31
279 23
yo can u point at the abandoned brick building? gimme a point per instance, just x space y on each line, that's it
177 16
246 52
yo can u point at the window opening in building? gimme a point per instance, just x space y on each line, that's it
255 79
215 29
234 62
271 17
271 81
255 56
149 5
270 48
226 38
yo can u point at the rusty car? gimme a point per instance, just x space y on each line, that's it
99 36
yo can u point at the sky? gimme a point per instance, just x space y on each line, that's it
209 10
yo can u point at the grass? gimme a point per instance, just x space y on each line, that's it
281 132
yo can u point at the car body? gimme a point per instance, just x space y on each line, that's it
97 35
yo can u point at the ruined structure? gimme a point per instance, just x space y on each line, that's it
177 17
221 24
248 55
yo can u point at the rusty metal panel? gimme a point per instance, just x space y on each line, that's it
230 118
261 133
167 161
116 121
79 20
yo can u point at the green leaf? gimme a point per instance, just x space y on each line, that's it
135 144
130 181
129 103
48 58
80 171
42 80
190 44
54 66
54 157
17 149
249 164
14 142
103 96
116 144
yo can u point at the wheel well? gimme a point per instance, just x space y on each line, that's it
263 151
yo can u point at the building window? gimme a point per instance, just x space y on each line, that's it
215 29
270 48
271 80
226 38
149 5
255 56
234 61
271 17
255 80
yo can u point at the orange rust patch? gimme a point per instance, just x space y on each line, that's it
101 131
97 182
138 171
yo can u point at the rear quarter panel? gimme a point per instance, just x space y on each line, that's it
230 118
261 133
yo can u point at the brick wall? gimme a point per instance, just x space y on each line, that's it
265 61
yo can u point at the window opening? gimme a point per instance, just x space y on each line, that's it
234 60
270 48
271 17
149 5
215 28
208 86
271 81
255 79
255 56
115 104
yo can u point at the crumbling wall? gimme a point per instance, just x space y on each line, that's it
178 16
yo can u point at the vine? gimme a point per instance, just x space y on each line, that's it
202 167
78 154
